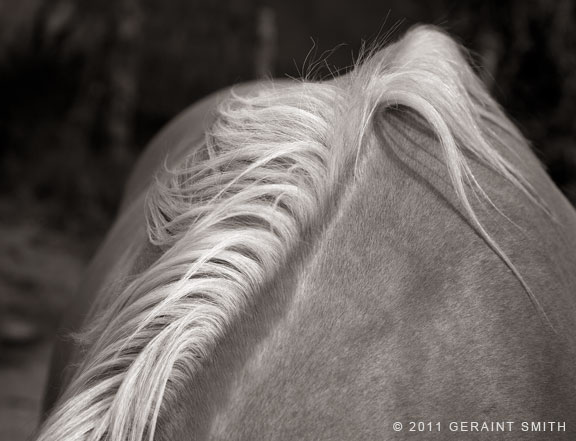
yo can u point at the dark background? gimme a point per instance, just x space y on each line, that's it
84 84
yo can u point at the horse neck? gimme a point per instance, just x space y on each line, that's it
394 277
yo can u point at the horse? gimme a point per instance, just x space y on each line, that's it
377 256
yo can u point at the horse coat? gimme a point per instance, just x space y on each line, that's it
300 260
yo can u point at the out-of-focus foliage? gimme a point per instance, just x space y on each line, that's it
528 49
84 83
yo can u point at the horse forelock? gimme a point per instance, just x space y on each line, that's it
271 168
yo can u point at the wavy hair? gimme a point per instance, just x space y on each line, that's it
226 218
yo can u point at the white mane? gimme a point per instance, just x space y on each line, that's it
229 215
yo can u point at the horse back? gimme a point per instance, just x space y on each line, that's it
395 308
401 312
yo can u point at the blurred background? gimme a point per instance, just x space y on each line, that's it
84 84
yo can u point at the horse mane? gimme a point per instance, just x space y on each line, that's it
227 217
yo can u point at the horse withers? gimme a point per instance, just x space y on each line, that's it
380 256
